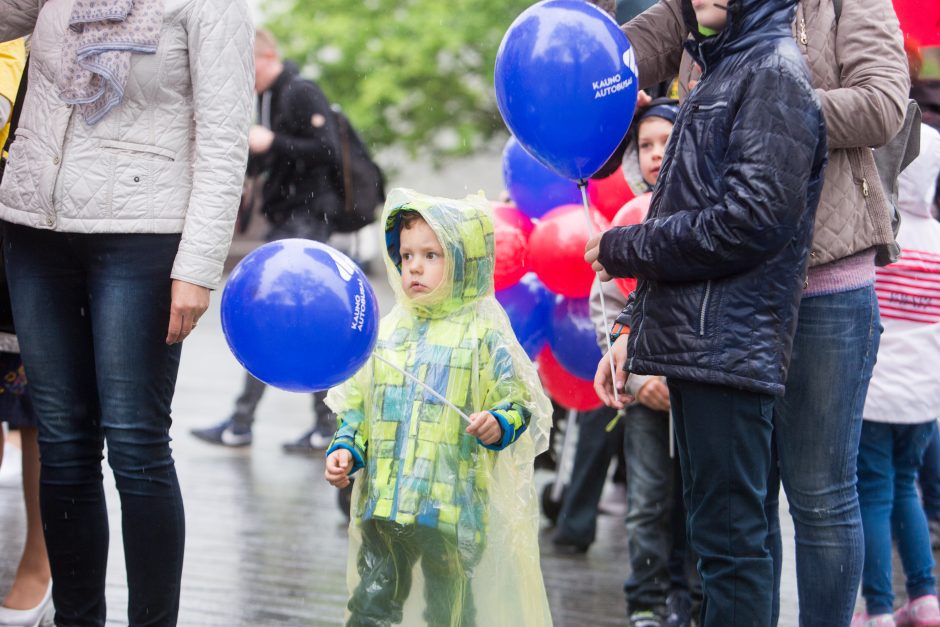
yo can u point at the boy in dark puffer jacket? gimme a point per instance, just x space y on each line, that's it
722 260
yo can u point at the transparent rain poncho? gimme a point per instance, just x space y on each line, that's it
444 531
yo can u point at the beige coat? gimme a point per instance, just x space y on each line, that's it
169 159
860 71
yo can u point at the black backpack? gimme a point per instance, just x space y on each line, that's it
360 184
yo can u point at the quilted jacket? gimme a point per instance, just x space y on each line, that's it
722 255
860 71
169 159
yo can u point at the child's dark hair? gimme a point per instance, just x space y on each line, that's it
408 218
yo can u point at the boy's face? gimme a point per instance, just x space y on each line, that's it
652 137
710 13
422 259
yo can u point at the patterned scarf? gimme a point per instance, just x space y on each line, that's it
96 53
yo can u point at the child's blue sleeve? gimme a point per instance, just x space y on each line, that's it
506 397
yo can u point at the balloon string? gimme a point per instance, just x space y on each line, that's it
427 387
582 185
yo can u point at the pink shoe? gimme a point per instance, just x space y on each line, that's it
921 612
862 619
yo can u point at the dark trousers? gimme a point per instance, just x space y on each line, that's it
247 403
386 559
92 313
724 441
577 520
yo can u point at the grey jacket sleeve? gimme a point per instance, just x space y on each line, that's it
221 60
615 301
868 109
19 18
657 36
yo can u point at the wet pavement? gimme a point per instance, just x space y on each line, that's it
266 541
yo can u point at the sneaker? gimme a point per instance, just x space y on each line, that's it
862 619
934 525
921 612
645 618
226 433
678 609
310 442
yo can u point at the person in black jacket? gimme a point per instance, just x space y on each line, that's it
295 150
721 262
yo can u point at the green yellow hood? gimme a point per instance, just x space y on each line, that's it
465 231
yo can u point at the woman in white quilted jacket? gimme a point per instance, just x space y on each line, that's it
118 204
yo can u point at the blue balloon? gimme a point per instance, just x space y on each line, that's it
299 315
535 189
528 304
573 340
566 85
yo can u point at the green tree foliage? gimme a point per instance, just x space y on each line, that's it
417 74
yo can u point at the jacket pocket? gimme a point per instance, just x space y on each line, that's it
144 151
703 308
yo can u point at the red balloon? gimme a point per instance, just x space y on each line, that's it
633 212
512 215
566 389
556 250
608 195
511 229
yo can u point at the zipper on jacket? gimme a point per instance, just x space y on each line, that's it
701 317
865 191
803 38
709 107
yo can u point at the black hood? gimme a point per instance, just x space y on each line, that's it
749 21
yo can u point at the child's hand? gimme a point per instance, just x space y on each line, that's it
338 464
654 394
485 427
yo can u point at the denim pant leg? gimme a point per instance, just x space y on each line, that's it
817 425
876 496
724 438
907 517
649 507
94 311
929 477
577 520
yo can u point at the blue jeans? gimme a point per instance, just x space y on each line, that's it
888 458
817 424
655 518
92 313
929 477
724 436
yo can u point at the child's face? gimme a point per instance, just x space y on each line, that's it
652 137
422 259
710 13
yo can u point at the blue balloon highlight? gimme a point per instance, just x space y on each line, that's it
299 315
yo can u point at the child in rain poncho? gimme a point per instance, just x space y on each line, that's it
456 497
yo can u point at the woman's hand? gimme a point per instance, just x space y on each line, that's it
338 464
592 251
485 427
187 303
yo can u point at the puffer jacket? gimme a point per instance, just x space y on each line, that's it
169 159
722 256
859 69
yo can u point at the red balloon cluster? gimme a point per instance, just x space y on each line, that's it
608 195
511 231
